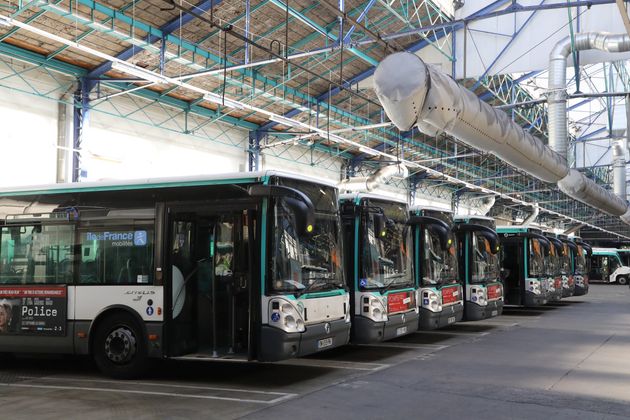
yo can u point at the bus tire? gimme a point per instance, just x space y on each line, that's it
119 348
622 280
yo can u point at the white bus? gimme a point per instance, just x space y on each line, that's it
245 266
607 267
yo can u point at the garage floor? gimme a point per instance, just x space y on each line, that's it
565 361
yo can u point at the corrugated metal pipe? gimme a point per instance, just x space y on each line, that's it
619 168
557 85
370 183
532 217
414 93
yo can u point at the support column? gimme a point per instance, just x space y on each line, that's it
64 132
253 151
81 124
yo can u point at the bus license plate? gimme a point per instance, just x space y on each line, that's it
495 313
324 342
401 330
451 320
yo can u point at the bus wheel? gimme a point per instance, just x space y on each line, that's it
119 348
622 280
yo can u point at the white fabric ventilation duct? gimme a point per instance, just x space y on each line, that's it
370 183
415 93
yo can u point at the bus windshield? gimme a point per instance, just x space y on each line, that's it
307 262
565 260
536 263
580 261
439 266
485 265
386 257
552 261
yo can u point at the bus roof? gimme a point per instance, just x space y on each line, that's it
166 182
353 196
602 251
418 207
468 217
517 229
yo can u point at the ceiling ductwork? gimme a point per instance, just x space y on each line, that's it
378 178
415 93
532 216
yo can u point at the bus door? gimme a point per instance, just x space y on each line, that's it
599 268
210 252
512 270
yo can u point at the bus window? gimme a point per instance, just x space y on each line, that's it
117 255
38 254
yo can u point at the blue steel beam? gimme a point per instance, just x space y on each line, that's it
322 30
369 72
505 48
295 97
362 16
165 29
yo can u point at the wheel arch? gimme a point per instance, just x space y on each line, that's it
110 311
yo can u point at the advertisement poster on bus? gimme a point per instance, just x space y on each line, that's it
33 310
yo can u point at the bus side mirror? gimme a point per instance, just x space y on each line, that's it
304 218
442 234
300 204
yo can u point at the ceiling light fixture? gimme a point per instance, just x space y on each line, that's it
139 72
284 121
221 100
5 21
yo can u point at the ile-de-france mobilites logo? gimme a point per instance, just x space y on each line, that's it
140 238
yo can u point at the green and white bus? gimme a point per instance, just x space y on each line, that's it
607 267
581 264
479 251
553 267
378 257
245 266
523 268
566 265
441 301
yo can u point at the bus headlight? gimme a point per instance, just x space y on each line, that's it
432 301
283 315
374 307
482 296
534 287
579 281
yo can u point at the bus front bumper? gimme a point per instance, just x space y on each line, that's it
532 299
555 296
568 292
476 312
434 320
580 290
276 344
367 331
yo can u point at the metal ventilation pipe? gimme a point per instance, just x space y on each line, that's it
370 183
414 93
557 85
532 217
619 168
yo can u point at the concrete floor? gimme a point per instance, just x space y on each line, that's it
565 361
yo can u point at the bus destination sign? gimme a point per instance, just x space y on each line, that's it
33 310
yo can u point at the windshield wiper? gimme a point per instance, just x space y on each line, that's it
391 279
307 267
318 281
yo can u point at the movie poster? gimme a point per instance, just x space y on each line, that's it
33 310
